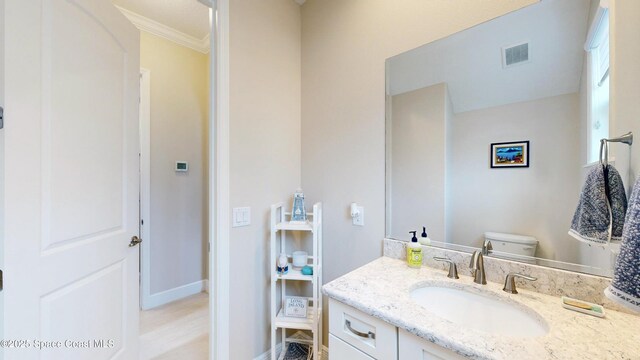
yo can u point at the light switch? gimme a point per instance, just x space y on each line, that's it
241 216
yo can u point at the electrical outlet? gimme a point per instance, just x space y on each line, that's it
358 220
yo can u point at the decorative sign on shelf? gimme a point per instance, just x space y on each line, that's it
296 306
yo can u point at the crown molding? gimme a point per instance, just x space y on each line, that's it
166 32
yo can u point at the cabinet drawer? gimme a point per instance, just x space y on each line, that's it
340 350
372 336
416 348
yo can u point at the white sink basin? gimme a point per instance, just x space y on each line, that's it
480 312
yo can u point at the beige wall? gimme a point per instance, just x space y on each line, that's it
625 77
417 191
179 201
344 47
265 152
517 201
424 125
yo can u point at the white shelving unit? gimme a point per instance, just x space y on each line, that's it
280 225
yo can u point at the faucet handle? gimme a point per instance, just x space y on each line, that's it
453 269
473 265
510 282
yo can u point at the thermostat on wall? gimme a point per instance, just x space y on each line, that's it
182 166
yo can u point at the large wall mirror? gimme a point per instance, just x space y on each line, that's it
490 133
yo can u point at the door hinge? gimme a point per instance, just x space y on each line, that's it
1 281
1 117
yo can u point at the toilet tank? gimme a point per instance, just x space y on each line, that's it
520 245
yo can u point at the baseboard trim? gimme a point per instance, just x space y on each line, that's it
176 293
267 354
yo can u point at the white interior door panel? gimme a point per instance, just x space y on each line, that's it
71 180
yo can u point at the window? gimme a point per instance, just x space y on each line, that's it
597 46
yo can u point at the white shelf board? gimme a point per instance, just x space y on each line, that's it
294 274
299 340
295 227
287 213
288 322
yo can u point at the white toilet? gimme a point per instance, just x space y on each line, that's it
512 247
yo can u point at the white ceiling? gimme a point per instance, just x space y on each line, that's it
470 62
187 16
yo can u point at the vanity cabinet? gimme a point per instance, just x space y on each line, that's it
342 350
411 347
364 333
354 335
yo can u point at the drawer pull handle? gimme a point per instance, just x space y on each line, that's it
368 335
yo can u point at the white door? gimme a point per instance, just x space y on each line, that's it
71 180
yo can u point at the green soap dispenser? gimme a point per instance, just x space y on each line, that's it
414 252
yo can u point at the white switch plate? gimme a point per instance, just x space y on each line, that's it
359 220
241 216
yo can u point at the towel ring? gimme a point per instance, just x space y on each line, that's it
604 152
604 146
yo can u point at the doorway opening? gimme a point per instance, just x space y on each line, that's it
174 177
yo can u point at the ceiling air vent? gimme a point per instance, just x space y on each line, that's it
514 55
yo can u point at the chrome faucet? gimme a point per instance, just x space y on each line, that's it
486 247
510 282
477 268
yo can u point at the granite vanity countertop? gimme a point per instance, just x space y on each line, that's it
381 289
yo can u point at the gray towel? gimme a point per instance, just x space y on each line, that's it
297 351
593 222
625 287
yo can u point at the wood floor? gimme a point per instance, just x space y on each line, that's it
179 330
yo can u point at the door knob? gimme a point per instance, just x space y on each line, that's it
135 241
